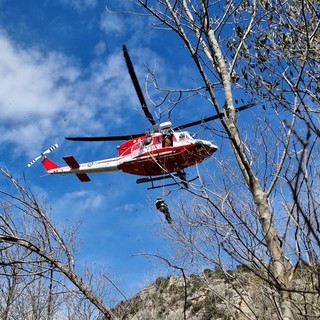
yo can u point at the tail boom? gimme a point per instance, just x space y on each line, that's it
80 170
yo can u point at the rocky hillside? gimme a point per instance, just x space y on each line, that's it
217 295
197 297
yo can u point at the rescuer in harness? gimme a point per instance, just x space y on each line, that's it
162 207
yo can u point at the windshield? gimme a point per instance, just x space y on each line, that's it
184 136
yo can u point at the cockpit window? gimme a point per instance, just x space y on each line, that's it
184 136
147 141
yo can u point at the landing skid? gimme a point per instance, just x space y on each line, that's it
181 176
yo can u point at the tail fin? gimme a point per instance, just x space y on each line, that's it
49 164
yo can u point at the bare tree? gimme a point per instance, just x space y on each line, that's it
262 208
37 262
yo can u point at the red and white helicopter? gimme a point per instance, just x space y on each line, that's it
163 153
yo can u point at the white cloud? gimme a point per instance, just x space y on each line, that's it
111 23
45 96
31 82
79 203
28 132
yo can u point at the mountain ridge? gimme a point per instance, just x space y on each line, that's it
197 297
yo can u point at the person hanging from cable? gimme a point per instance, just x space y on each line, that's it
163 207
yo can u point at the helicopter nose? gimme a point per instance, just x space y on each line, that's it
204 145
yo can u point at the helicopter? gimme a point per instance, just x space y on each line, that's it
163 153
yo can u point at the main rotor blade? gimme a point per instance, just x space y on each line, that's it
137 86
106 138
136 135
215 117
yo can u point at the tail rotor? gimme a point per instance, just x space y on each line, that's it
43 154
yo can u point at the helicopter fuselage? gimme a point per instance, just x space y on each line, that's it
155 155
148 155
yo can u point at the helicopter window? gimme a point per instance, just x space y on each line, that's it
147 141
184 136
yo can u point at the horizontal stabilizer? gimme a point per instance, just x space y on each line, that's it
83 177
73 164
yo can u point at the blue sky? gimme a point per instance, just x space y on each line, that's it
63 74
